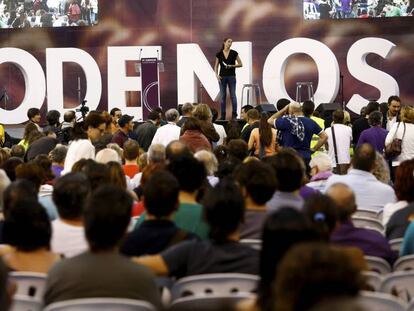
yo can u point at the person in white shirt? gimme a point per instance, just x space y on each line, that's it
69 195
370 193
403 130
169 132
343 138
81 147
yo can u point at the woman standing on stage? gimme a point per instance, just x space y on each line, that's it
228 60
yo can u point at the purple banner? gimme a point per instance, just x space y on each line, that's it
150 95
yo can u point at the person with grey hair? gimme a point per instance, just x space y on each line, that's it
107 155
187 111
321 170
210 163
58 156
375 135
169 132
4 182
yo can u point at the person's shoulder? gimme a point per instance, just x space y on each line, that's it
218 54
234 52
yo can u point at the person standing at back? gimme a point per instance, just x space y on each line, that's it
228 60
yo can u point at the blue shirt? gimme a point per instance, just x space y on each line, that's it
290 140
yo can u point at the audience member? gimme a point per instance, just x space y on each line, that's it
30 132
203 113
392 114
308 109
125 126
27 229
176 150
53 123
69 195
253 120
169 132
187 112
311 273
210 163
158 231
10 167
17 151
381 169
106 218
219 128
289 173
369 192
339 142
375 135
222 253
58 156
257 187
33 114
237 149
193 137
262 141
321 170
362 123
43 145
131 154
371 242
107 155
146 131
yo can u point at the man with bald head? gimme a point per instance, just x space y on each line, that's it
297 130
371 242
369 192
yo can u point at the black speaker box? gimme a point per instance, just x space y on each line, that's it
325 112
269 108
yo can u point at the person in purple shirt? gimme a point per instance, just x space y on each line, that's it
375 135
371 242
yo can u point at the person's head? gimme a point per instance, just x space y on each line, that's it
375 119
16 191
253 115
394 105
58 154
107 155
202 112
313 272
209 160
95 126
363 112
191 124
154 116
189 172
282 103
364 158
97 173
404 181
177 149
255 181
116 174
69 116
308 107
29 129
244 110
227 42
32 172
338 116
106 217
344 198
233 131
347 118
223 221
116 113
156 153
52 117
238 149
125 123
295 109
33 114
372 106
381 169
17 151
44 162
282 229
10 167
322 213
320 163
69 194
27 226
161 194
187 109
4 155
288 169
131 150
407 114
172 115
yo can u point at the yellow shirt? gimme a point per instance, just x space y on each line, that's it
2 137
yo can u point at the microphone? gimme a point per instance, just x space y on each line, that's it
139 56
158 55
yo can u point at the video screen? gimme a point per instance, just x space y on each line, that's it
344 9
48 13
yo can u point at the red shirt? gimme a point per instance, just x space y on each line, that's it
131 170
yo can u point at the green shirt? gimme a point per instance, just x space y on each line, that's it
189 217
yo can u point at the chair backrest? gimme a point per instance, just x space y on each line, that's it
366 212
30 284
404 263
400 284
254 243
380 302
378 265
367 223
396 244
214 284
209 303
24 303
101 304
373 280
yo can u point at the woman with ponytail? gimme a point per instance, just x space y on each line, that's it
262 141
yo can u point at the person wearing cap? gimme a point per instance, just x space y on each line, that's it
125 125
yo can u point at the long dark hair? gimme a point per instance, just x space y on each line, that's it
224 41
265 131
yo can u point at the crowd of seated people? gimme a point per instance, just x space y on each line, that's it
102 216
